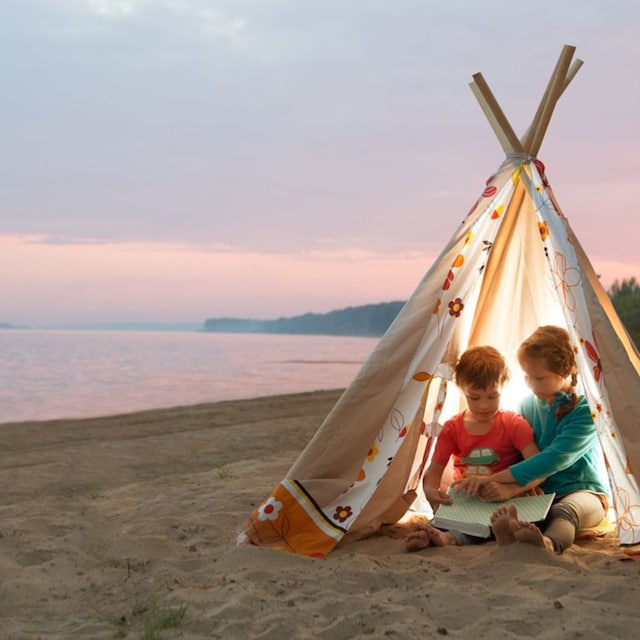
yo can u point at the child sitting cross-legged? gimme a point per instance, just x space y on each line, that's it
482 440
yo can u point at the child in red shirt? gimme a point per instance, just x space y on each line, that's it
482 440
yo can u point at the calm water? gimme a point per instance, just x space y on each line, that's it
63 374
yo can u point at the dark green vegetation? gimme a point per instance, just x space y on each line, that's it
367 320
625 297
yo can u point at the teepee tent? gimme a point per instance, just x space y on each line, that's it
514 264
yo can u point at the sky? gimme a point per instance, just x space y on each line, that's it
171 161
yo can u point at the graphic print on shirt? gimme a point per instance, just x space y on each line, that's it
478 461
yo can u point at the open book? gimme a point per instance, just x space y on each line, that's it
468 514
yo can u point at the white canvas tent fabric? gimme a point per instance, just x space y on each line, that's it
514 264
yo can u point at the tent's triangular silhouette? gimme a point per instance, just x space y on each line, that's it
514 264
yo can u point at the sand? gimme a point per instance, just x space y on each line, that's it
109 524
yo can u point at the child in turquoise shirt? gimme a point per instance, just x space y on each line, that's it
570 458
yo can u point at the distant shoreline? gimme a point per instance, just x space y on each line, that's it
370 320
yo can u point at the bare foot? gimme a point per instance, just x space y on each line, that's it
529 533
501 524
440 538
417 540
425 536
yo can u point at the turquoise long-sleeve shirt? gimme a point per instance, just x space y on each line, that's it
570 455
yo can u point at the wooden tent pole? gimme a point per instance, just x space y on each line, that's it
492 110
571 74
530 143
527 138
555 89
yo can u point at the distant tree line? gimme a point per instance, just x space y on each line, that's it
374 319
366 320
625 297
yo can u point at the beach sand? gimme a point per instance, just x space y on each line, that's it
108 525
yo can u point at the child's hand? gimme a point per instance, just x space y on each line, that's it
472 486
436 497
494 492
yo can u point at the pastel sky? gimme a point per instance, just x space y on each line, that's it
167 160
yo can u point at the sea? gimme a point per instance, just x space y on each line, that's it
54 374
